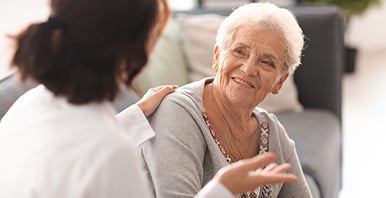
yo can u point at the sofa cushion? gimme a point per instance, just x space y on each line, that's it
317 134
313 186
167 64
126 97
285 101
199 35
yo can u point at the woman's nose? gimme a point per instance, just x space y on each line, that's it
250 68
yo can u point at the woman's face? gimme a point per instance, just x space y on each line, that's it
251 66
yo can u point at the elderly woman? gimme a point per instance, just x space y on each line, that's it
213 122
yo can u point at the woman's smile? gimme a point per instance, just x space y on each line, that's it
243 82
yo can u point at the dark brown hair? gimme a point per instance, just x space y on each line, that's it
88 47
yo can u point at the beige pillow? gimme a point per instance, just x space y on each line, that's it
167 63
198 36
198 39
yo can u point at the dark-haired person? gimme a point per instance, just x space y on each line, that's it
62 138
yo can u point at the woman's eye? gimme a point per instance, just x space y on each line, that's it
269 63
239 51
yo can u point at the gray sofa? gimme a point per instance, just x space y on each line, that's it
316 130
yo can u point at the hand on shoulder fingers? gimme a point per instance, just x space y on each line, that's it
248 174
153 97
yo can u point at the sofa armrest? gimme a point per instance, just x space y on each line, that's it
11 88
319 78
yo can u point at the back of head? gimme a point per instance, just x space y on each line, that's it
266 16
87 47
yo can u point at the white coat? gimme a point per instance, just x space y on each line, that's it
51 148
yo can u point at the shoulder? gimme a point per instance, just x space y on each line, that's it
187 98
263 114
190 92
275 127
24 104
179 116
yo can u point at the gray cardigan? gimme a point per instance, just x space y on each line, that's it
183 156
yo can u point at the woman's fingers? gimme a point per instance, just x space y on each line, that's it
163 88
257 162
272 178
246 175
153 97
274 173
269 168
282 168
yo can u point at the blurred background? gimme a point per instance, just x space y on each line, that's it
364 86
14 16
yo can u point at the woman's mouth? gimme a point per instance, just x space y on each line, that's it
243 82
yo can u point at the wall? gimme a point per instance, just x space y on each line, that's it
14 16
368 31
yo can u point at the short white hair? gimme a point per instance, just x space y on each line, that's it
266 16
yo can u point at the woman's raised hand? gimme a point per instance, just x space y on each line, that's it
248 174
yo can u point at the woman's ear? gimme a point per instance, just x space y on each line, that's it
215 61
280 83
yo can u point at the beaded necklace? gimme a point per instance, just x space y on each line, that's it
265 190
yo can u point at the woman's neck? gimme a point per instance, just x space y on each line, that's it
236 129
237 119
